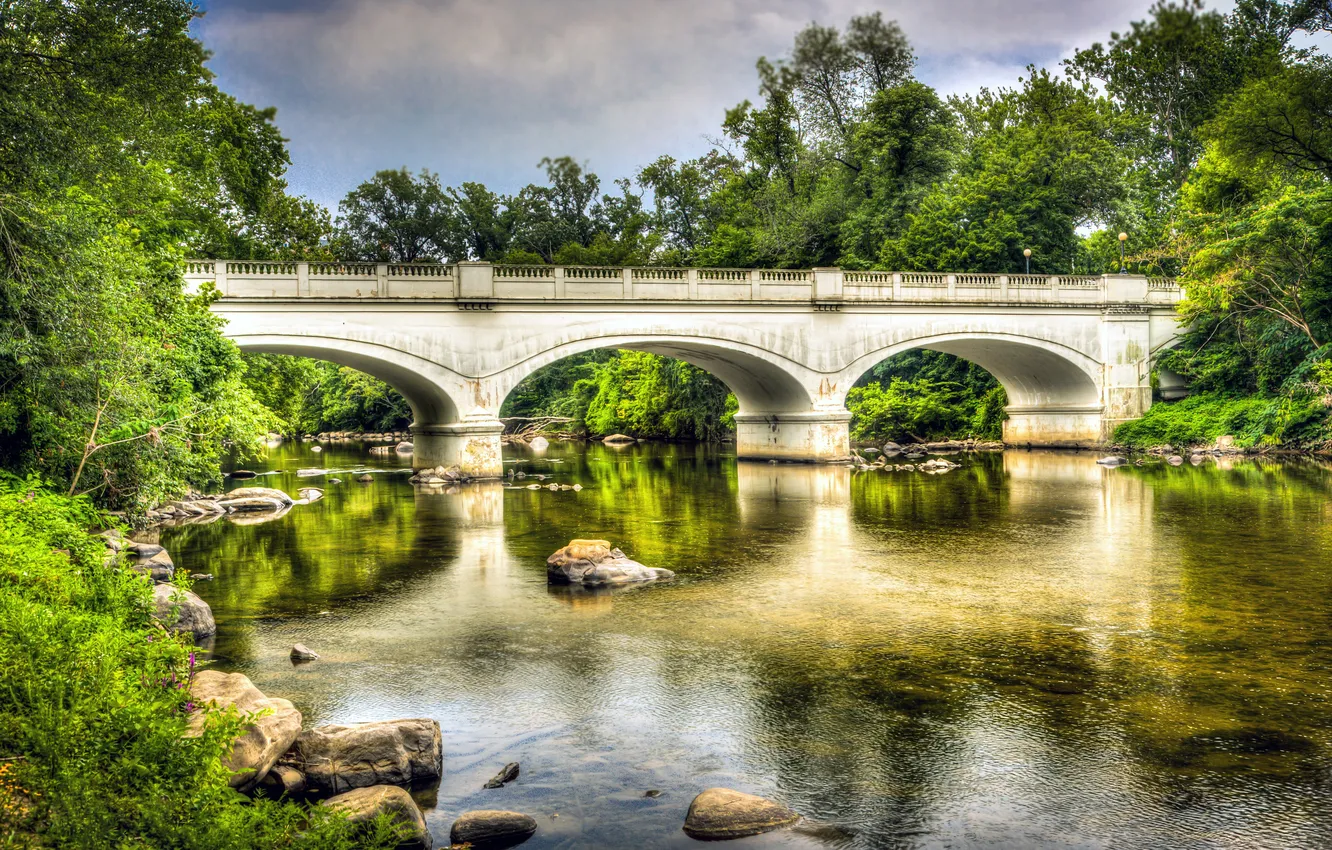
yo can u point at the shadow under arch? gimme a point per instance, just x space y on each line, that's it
1036 374
421 382
760 382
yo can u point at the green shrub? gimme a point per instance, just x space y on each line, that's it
93 701
1297 421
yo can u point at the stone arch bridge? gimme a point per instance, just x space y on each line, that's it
1074 353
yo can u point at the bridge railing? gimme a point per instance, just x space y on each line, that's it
486 282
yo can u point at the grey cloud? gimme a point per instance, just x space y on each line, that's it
482 89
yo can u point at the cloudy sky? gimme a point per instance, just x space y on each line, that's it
483 89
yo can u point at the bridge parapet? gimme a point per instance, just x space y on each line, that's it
473 282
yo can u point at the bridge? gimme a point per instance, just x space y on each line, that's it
1074 353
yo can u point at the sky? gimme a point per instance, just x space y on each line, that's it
483 89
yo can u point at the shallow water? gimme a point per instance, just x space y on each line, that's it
1029 651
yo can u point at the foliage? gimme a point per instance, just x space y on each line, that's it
94 705
1299 420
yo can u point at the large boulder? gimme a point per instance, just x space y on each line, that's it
488 829
181 610
618 440
594 563
720 813
255 499
363 805
338 758
271 726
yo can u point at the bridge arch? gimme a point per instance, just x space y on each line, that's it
425 385
1034 372
763 382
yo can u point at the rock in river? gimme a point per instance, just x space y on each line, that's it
301 652
181 611
618 440
272 723
720 813
594 563
1112 461
255 499
363 805
507 774
337 758
487 830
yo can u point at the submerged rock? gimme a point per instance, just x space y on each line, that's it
720 813
336 758
507 774
182 611
404 448
365 478
272 724
1113 460
594 562
1175 460
364 805
488 829
311 494
243 474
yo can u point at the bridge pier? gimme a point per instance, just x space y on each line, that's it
1059 427
472 446
811 437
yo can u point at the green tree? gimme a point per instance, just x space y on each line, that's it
397 218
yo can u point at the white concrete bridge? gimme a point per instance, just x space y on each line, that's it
1074 353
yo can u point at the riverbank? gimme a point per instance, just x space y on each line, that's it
95 705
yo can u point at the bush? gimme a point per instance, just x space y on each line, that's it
924 410
1299 421
94 701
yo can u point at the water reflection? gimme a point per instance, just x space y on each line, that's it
1029 651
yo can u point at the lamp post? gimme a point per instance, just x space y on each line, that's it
1123 237
1026 252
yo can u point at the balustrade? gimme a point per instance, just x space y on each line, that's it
289 279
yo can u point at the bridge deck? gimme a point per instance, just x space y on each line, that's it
484 282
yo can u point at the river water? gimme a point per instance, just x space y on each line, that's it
1029 651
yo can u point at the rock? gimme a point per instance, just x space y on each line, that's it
507 774
258 493
395 752
310 473
182 611
143 550
1175 460
301 652
364 805
115 539
243 474
283 780
381 450
1113 461
272 724
594 563
1225 441
159 567
577 487
335 481
488 829
201 576
311 494
316 448
890 446
403 448
254 503
539 444
720 813
365 478
618 440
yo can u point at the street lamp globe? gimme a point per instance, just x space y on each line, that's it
1123 237
1026 252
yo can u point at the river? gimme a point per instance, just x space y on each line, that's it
1030 651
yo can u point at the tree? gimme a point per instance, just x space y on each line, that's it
397 218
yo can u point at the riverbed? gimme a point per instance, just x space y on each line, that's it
1029 651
